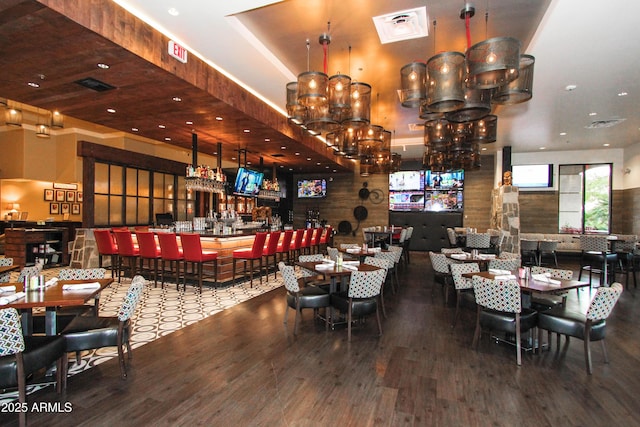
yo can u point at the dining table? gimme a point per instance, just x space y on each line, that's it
361 253
466 257
9 268
383 235
60 293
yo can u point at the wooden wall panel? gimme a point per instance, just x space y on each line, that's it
477 194
538 211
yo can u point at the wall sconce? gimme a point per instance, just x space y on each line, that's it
57 120
13 207
13 117
43 131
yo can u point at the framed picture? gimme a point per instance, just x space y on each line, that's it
54 208
71 196
60 195
64 208
79 196
75 209
48 195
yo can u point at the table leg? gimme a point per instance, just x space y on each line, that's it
27 321
50 321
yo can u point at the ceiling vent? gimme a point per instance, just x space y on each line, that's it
416 127
94 84
277 155
599 124
402 25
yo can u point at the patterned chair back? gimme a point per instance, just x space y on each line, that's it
310 258
451 234
349 245
11 339
497 295
81 273
383 263
391 256
528 245
366 284
289 277
511 264
451 251
593 243
548 245
604 301
555 273
478 240
5 262
34 270
131 299
457 270
440 262
333 253
397 253
403 235
409 232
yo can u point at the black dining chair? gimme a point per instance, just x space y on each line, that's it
21 356
299 297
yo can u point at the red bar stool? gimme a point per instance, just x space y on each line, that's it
296 244
285 245
305 246
149 251
126 249
252 254
326 239
270 250
107 246
170 252
194 254
315 241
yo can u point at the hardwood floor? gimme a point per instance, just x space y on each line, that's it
242 367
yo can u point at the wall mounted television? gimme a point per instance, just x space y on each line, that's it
406 181
443 180
312 188
532 176
403 201
248 182
444 200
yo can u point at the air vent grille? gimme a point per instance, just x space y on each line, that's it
599 124
94 84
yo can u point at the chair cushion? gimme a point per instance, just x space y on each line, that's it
40 352
499 320
87 332
359 306
244 253
567 322
310 297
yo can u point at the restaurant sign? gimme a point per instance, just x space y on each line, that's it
177 51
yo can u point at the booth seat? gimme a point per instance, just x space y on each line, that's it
567 243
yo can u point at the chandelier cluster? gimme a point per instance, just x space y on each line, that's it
341 108
455 93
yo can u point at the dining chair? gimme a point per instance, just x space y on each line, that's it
548 300
529 252
361 298
479 241
172 253
596 258
81 274
587 327
500 308
296 243
393 271
127 250
194 254
305 245
311 278
385 264
510 264
625 246
326 239
463 285
250 254
5 262
22 356
333 253
270 249
89 332
33 270
150 252
315 240
107 246
441 272
452 237
299 297
448 251
407 243
547 249
285 245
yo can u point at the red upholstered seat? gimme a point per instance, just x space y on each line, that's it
305 246
171 252
315 240
126 249
107 246
270 250
149 251
296 243
250 254
194 254
285 245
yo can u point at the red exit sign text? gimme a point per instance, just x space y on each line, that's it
177 51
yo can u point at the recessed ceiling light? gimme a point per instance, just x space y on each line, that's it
593 114
103 66
177 99
326 167
249 162
218 118
290 169
134 129
33 84
246 131
335 170
318 163
297 154
267 139
282 166
623 94
167 139
484 148
606 144
233 158
111 110
563 133
309 159
161 126
189 122
543 148
569 88
283 147
173 11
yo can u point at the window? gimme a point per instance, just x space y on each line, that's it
585 198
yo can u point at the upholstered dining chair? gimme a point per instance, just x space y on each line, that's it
149 252
441 272
33 270
393 271
545 301
500 308
596 258
89 332
333 253
625 246
5 262
82 274
479 241
510 264
587 327
547 249
127 250
195 255
385 264
299 297
463 285
311 277
361 298
107 246
22 356
171 253
269 250
251 254
452 237
529 252
285 245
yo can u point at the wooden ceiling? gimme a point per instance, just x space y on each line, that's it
58 48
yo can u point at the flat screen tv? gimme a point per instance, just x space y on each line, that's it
532 176
443 180
403 201
406 181
248 182
312 188
443 200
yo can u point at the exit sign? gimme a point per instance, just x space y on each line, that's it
177 51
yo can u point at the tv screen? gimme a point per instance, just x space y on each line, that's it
406 181
248 182
532 176
444 200
312 188
444 180
406 200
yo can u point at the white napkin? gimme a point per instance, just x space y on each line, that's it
487 256
328 261
375 250
546 279
8 299
7 289
324 266
51 282
505 277
350 267
459 256
350 262
80 286
497 271
353 250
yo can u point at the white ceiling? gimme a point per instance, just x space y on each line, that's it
587 43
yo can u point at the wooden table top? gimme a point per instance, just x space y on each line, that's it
536 285
55 296
335 271
6 268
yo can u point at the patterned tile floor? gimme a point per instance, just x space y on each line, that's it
160 312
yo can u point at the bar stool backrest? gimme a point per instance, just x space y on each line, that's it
169 246
125 242
191 247
272 244
286 240
105 242
147 244
258 245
